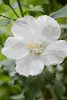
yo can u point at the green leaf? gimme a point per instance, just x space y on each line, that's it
58 88
36 9
3 8
7 2
6 22
15 89
37 2
8 65
4 93
2 57
18 97
60 13
3 37
4 78
36 84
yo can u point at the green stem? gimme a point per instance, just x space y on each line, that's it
19 4
7 17
13 11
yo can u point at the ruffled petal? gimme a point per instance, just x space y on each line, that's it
58 45
29 66
14 48
55 53
24 27
50 28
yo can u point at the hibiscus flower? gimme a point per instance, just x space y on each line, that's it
35 44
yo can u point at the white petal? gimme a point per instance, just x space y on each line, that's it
50 59
22 65
50 27
36 67
55 53
58 45
11 41
29 66
35 38
14 49
25 26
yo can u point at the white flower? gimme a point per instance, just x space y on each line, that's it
35 44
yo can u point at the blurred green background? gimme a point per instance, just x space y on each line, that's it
14 86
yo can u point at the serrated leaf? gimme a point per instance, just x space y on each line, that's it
60 13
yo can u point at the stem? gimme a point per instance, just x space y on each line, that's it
13 11
7 17
19 4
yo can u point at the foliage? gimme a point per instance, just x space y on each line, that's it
50 84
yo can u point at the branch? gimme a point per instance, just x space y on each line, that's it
19 4
13 11
7 17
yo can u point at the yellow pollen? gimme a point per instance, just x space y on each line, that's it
35 48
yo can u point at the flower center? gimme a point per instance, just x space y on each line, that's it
35 48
